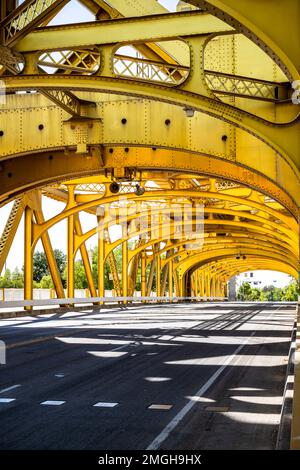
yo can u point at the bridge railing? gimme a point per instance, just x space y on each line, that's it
29 304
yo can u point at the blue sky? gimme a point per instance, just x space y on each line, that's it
75 10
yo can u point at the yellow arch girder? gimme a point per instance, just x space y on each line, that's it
49 167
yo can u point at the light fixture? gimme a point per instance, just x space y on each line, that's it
139 190
189 112
114 187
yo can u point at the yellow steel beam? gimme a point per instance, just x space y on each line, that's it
85 257
153 196
35 200
10 230
127 30
231 267
284 139
124 261
28 255
49 167
279 37
197 260
30 14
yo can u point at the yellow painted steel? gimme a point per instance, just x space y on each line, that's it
28 255
194 107
184 118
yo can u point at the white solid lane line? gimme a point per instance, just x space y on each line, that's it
10 388
53 402
183 412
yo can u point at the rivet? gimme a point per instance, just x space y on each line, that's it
123 121
41 127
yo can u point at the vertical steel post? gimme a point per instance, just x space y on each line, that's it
101 262
28 256
170 280
158 272
143 274
70 258
124 262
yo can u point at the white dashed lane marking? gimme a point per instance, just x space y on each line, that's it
156 406
101 404
6 400
53 402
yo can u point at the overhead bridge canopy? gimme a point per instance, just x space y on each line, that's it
179 129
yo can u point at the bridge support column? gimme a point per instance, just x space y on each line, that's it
124 262
143 274
101 262
170 279
158 274
28 256
196 284
70 258
85 258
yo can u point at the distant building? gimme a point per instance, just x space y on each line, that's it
232 288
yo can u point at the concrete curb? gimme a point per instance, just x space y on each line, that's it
295 433
285 425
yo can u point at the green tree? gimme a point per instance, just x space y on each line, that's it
80 280
5 280
245 291
255 294
40 264
46 282
17 279
290 292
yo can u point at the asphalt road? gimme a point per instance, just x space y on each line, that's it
181 376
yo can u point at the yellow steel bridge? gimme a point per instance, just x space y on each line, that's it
197 107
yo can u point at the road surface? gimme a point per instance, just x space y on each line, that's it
182 376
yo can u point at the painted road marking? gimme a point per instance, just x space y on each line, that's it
6 400
217 409
10 388
107 354
102 404
155 406
155 444
53 402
